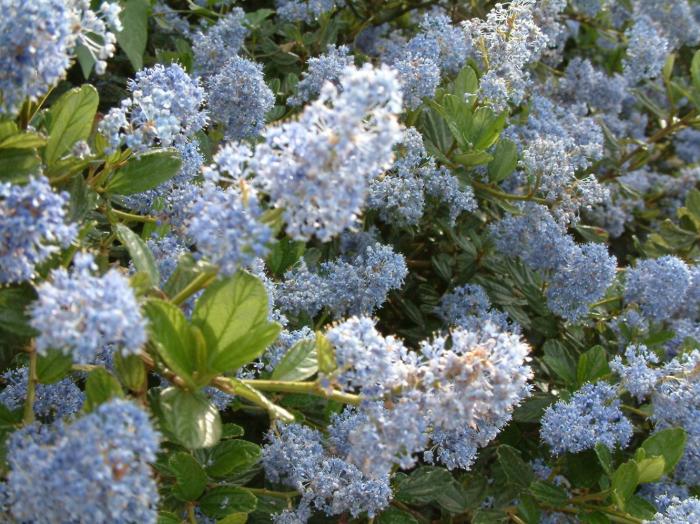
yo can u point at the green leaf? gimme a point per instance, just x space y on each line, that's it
85 59
395 516
165 517
145 172
604 457
668 443
640 508
466 82
223 501
300 362
134 36
70 120
505 160
250 393
558 358
53 366
284 254
17 164
548 493
651 469
22 141
624 481
173 338
234 518
429 484
695 71
13 311
190 476
140 254
325 353
190 417
232 456
131 370
592 365
232 315
518 472
100 387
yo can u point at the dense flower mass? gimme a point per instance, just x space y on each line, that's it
97 466
591 417
39 39
165 108
33 227
349 261
81 313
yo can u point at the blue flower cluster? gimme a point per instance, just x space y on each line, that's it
327 67
165 108
226 227
580 274
81 314
214 47
591 417
506 42
318 168
657 286
32 229
39 40
296 456
239 98
97 466
352 285
52 401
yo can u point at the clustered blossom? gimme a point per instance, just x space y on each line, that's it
646 51
297 457
165 108
657 286
327 67
459 396
400 193
352 285
239 98
506 42
579 274
305 10
97 466
227 229
678 510
591 417
32 229
57 400
468 306
39 40
81 313
318 168
214 47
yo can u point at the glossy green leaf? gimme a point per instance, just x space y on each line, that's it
667 443
232 315
505 160
70 120
232 456
223 501
190 476
625 480
173 339
100 387
592 365
53 366
299 362
134 36
145 172
141 255
190 417
518 472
